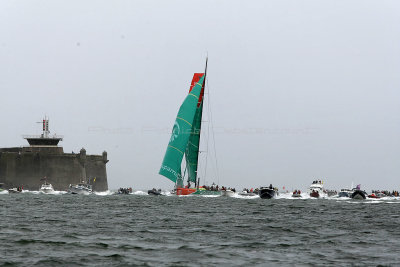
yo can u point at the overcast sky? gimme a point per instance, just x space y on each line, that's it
300 90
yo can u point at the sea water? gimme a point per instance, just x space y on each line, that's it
121 230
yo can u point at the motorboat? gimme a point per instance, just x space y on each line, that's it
358 193
249 192
296 193
380 194
377 194
316 189
15 190
268 192
345 192
80 189
46 188
125 191
154 192
227 193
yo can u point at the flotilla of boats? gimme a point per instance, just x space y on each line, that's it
262 192
185 142
316 190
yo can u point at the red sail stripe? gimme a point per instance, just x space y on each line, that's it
196 78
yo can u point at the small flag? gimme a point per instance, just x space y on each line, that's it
94 179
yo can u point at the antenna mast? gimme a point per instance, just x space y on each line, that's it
45 124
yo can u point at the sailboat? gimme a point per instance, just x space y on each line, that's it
185 141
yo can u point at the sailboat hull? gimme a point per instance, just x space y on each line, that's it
185 191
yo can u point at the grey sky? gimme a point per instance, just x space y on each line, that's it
300 90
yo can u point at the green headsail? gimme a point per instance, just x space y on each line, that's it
192 149
171 166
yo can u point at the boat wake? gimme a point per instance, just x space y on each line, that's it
104 193
302 196
58 193
166 193
236 195
42 193
140 193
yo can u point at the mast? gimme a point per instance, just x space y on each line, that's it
205 72
192 150
197 180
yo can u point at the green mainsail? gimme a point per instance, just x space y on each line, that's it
192 149
181 132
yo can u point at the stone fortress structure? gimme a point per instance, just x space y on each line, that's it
43 159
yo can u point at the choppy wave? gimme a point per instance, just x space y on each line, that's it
224 231
202 230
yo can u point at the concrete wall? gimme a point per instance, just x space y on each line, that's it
28 168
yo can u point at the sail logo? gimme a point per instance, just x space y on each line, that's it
178 176
175 132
